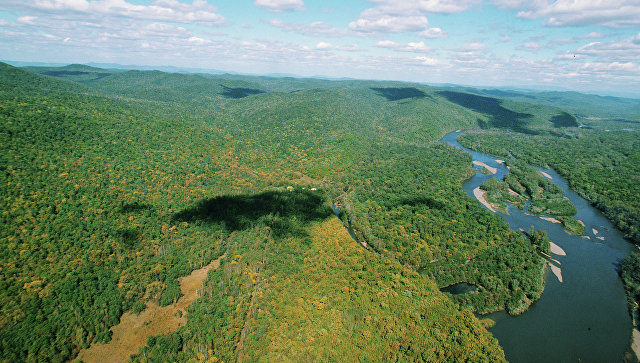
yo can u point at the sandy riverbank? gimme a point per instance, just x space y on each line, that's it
481 196
492 170
557 250
546 175
550 219
635 341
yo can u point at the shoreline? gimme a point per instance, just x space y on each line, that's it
557 250
492 170
546 175
481 196
635 341
550 219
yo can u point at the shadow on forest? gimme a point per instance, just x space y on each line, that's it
500 117
134 207
396 94
428 202
128 237
564 120
62 74
231 92
286 212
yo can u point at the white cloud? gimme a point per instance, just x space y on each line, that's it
279 6
27 20
610 13
198 41
471 47
395 16
316 28
199 11
604 67
622 51
408 7
375 21
432 33
591 35
570 56
409 47
426 61
531 46
329 46
3 22
559 41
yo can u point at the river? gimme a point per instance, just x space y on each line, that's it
585 317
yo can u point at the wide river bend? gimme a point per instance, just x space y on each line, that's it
585 317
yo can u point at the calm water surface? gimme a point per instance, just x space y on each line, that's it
582 319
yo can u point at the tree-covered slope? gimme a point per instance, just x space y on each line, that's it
113 186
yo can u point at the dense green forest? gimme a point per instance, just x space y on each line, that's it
113 184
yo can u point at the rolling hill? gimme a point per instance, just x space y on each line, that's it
116 184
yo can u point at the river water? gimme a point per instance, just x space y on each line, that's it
585 317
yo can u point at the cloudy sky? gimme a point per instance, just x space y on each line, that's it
586 45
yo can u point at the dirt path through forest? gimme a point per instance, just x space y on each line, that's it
133 330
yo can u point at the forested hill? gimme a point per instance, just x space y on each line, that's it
115 184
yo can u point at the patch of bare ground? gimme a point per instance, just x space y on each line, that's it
132 332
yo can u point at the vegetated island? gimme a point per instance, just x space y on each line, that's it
525 184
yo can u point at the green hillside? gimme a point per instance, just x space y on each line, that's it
115 184
592 110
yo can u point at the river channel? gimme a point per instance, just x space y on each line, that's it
584 318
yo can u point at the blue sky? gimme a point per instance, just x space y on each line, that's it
584 45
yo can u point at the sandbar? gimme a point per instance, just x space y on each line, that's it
556 250
491 169
556 271
600 238
595 231
546 175
550 219
499 161
481 195
635 343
